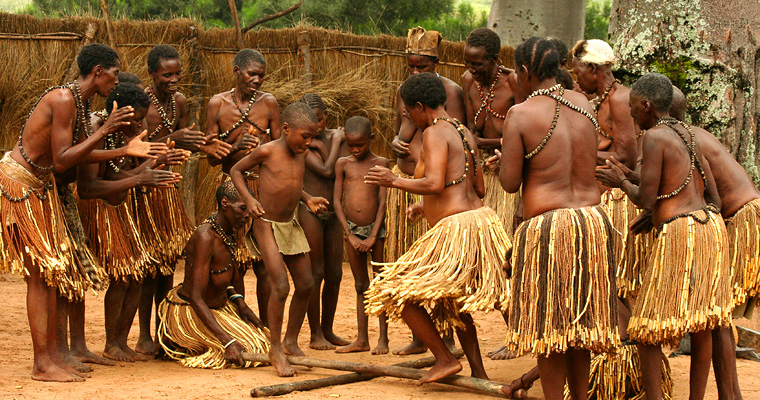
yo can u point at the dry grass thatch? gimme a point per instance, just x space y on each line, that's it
355 75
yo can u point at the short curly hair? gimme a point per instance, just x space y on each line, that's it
424 88
656 88
248 56
127 94
96 54
161 52
299 114
128 77
486 38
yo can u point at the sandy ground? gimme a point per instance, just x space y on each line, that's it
158 379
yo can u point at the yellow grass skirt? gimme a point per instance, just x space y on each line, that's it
401 233
563 282
456 267
115 239
505 204
617 376
164 227
687 281
744 249
33 226
622 212
186 339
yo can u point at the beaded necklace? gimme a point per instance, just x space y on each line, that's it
244 116
693 161
229 240
560 100
599 102
82 120
165 121
468 151
487 99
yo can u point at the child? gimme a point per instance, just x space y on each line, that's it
278 236
362 217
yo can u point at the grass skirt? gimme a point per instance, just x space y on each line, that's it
563 282
164 227
33 226
456 267
115 238
186 339
622 212
618 376
401 233
687 281
505 204
744 251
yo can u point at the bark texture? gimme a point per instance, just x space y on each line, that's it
517 20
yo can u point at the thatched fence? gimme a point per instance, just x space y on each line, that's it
355 75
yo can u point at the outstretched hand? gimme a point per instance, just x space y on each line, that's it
380 176
139 148
215 147
614 173
317 205
400 148
158 177
493 162
118 118
189 139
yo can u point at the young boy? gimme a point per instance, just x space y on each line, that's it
362 218
278 237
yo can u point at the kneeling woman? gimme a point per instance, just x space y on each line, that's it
456 268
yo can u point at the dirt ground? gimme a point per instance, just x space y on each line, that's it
158 379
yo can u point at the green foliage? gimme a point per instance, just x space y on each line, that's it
675 69
369 17
597 19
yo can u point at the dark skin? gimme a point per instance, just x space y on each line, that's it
325 241
442 160
206 252
483 70
363 205
407 144
614 115
47 139
222 114
663 170
561 175
281 167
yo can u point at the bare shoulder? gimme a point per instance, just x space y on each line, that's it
267 98
450 85
60 98
578 99
380 160
180 99
341 163
466 79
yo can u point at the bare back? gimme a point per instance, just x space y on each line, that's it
561 173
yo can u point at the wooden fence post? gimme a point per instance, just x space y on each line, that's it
303 56
73 71
236 20
107 14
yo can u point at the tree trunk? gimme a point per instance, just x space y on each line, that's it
517 20
709 49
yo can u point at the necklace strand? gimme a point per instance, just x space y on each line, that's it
165 121
487 100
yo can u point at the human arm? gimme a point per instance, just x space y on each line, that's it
186 137
455 103
317 205
367 244
326 169
468 107
237 287
404 129
91 186
237 176
711 188
338 198
643 195
623 133
136 147
512 151
275 124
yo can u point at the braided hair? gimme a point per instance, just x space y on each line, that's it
539 56
313 101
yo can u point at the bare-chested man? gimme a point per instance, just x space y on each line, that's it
34 240
421 56
245 117
205 322
455 268
676 184
549 149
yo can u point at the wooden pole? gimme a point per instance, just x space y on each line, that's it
273 16
481 385
236 20
303 56
285 388
107 14
89 35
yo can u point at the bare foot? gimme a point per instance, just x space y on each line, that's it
280 363
318 342
412 348
336 340
116 353
292 349
354 347
135 355
502 353
440 370
72 362
381 348
87 356
147 347
70 369
54 373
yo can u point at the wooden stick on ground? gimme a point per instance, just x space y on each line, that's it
285 388
481 385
